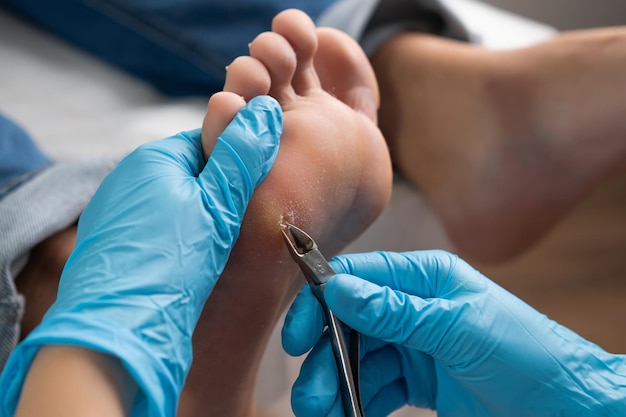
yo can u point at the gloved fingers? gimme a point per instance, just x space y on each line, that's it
303 324
392 316
316 390
241 158
421 273
244 153
246 149
383 389
174 157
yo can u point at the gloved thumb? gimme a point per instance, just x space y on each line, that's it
242 157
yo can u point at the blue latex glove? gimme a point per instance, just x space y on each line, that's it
443 336
150 247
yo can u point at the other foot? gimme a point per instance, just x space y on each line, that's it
501 143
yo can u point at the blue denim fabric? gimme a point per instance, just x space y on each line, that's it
19 156
20 159
180 46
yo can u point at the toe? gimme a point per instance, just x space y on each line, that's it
345 71
247 77
299 30
222 108
279 59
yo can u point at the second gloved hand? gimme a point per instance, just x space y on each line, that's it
150 247
442 336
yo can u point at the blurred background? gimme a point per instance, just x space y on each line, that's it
576 275
568 14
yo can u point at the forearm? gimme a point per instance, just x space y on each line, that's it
67 381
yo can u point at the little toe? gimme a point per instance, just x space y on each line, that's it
345 71
299 30
222 108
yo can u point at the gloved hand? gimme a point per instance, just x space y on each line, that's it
150 247
443 336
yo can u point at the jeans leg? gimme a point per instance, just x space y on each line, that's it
20 157
180 46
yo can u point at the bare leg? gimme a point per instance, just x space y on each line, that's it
39 280
332 178
502 144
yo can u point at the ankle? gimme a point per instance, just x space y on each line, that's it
437 96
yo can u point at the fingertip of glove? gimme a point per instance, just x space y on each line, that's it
303 324
266 115
255 133
292 344
266 104
312 395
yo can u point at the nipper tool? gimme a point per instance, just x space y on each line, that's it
317 271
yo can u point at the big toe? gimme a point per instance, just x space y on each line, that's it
345 71
299 30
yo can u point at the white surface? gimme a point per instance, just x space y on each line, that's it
498 29
76 106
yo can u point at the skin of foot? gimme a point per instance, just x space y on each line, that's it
503 143
332 177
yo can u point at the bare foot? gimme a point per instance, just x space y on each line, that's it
332 177
502 144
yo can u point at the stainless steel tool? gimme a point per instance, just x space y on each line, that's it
317 271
